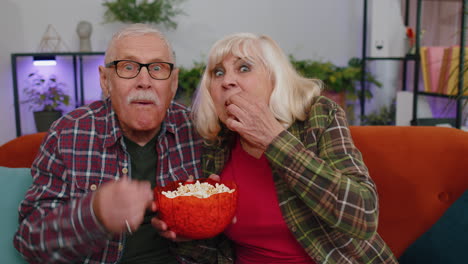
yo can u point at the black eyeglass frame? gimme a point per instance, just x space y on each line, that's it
114 63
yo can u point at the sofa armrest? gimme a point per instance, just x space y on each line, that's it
21 152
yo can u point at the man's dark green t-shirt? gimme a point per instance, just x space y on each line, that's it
145 245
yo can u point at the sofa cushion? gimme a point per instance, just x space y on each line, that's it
14 183
447 239
419 172
21 151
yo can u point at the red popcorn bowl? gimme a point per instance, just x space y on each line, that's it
193 217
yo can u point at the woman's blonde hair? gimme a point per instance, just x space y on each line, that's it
292 94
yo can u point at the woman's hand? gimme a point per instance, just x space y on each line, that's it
252 119
162 228
163 231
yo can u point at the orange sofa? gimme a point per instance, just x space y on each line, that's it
419 172
21 151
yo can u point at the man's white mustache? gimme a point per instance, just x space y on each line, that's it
143 96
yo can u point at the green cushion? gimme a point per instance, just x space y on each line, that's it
447 240
14 183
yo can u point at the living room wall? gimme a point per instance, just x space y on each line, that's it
321 29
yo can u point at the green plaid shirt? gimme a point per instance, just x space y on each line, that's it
327 198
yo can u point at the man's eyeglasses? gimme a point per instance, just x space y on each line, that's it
128 69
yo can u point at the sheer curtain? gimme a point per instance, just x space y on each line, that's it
440 26
440 21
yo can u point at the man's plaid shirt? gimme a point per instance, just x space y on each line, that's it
83 150
327 198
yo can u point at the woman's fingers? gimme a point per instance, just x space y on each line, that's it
253 120
215 177
163 231
158 224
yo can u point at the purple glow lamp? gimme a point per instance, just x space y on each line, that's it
44 60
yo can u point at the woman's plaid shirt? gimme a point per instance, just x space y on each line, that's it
327 198
83 150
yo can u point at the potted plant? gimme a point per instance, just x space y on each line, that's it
341 82
143 11
385 116
189 79
46 97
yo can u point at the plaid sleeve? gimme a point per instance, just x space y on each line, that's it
53 226
321 165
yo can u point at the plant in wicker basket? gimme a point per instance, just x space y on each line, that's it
46 96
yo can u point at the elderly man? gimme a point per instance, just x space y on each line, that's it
91 199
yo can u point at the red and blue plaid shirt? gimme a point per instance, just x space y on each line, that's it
83 150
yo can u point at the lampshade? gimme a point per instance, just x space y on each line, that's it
44 60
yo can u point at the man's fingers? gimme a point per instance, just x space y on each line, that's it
124 178
142 189
150 205
121 205
143 184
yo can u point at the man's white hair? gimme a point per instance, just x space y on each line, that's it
138 30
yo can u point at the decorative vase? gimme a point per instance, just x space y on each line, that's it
44 119
84 30
339 98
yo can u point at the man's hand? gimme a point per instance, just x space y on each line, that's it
118 202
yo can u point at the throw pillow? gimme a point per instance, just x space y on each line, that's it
14 183
446 242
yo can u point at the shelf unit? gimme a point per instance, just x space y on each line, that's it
459 97
78 71
405 59
417 63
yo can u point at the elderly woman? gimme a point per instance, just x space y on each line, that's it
305 195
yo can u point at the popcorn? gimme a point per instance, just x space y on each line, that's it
197 189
